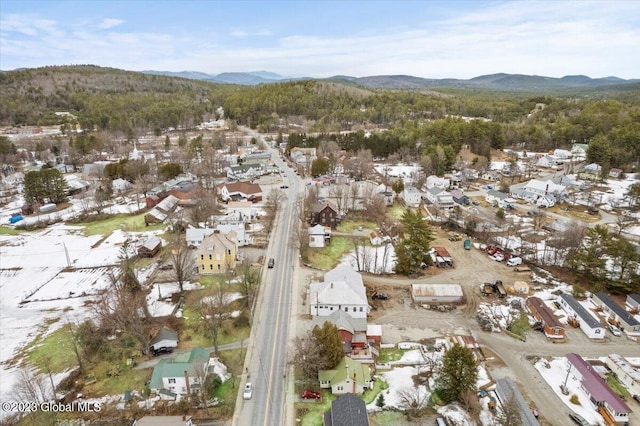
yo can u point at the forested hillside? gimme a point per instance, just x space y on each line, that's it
416 121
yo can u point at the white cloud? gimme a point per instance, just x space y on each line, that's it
244 34
110 23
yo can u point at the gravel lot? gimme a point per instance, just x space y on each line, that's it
401 320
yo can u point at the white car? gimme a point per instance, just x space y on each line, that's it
615 330
248 391
498 257
514 261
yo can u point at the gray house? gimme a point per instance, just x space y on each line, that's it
508 393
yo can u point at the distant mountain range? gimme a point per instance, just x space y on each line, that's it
501 81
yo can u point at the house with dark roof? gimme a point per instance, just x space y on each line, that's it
347 409
508 395
349 376
543 314
217 254
628 323
183 374
589 324
325 214
602 398
150 247
633 302
355 336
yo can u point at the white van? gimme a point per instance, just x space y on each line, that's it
514 261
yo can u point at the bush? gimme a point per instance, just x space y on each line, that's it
574 399
380 400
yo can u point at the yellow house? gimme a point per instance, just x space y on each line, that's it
217 253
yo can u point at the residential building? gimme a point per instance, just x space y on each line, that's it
549 162
325 214
317 236
591 171
562 154
357 343
625 372
411 196
150 247
496 198
633 302
601 397
626 321
240 191
183 374
342 289
589 324
217 253
459 197
579 150
349 376
615 173
439 198
162 210
263 158
543 314
509 395
437 182
347 409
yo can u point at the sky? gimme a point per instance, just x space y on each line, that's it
430 39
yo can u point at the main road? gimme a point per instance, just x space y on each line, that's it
266 360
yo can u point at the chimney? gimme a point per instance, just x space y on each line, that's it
186 379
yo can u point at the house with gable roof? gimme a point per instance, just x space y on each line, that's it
240 191
217 253
591 171
357 336
349 376
183 374
601 396
347 409
325 214
342 289
579 150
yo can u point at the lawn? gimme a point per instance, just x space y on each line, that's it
396 211
328 257
617 387
119 221
311 412
520 326
349 226
388 418
370 395
128 379
54 352
4 230
390 354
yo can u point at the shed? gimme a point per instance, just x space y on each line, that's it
150 247
520 287
437 293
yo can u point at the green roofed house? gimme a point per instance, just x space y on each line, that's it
349 376
183 374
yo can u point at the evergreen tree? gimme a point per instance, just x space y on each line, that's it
412 248
458 374
330 342
46 185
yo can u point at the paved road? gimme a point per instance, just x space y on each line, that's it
267 351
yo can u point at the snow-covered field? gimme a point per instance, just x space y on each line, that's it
47 277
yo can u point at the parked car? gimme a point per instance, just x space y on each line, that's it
310 394
272 263
248 391
498 257
380 296
578 419
161 351
284 187
637 398
514 261
615 330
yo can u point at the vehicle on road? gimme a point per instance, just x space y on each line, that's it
310 394
248 391
284 187
615 330
467 244
578 419
514 261
272 263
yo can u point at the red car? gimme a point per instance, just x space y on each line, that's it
310 394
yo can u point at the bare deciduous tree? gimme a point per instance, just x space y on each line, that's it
214 309
206 205
412 400
184 264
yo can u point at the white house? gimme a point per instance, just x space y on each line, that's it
589 324
496 198
440 198
342 289
548 161
411 196
625 372
628 322
434 181
579 150
316 236
183 374
562 154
